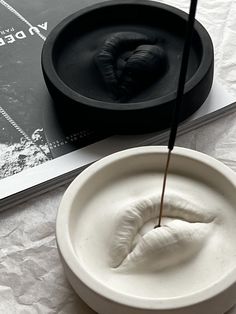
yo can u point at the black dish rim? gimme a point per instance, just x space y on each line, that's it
53 77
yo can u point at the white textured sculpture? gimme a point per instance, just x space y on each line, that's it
166 246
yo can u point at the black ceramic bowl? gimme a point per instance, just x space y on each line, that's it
77 86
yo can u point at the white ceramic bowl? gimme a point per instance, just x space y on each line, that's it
214 299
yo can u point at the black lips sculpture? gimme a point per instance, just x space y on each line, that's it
129 62
115 65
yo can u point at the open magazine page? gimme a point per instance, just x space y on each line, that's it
39 149
31 129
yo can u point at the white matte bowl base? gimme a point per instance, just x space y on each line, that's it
217 305
98 298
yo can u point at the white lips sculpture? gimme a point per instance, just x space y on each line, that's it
118 263
162 247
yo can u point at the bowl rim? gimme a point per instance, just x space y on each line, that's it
52 75
80 273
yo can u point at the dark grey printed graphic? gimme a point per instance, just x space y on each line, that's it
32 129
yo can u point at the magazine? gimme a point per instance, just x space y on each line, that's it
37 151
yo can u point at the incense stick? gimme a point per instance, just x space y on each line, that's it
179 97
